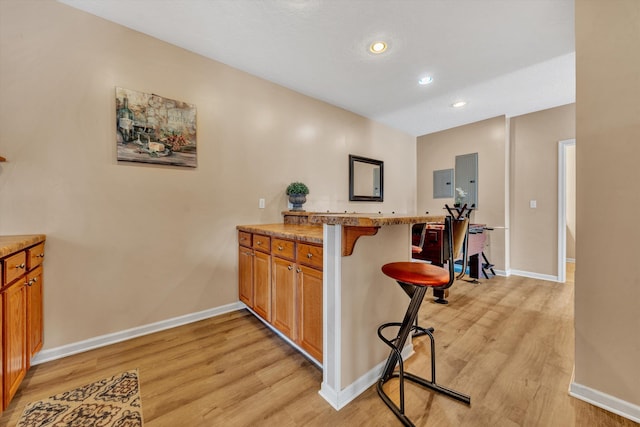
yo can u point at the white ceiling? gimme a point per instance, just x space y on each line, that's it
502 56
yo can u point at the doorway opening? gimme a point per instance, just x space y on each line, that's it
566 207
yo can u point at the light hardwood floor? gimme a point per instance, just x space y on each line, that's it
508 342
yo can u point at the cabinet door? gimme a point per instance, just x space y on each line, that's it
14 324
283 288
310 311
245 275
34 313
262 285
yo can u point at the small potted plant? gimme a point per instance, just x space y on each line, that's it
297 192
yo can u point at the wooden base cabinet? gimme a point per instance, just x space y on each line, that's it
284 296
284 287
310 311
262 285
254 273
35 330
21 313
245 275
14 331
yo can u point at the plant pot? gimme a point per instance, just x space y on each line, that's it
297 200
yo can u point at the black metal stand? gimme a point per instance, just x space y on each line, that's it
408 326
486 265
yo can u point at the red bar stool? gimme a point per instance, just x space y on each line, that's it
415 279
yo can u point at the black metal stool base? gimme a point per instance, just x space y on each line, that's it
406 328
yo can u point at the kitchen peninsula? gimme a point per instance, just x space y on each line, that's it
348 287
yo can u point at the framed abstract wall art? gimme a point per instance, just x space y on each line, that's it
153 129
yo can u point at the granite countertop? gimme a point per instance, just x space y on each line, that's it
301 232
371 219
11 244
312 232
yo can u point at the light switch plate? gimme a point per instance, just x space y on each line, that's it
533 204
261 203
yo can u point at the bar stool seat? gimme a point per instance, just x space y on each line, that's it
415 279
417 273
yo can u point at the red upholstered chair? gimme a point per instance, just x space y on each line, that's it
415 279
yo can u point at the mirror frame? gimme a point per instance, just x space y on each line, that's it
360 198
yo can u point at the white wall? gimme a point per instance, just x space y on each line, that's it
607 319
129 244
534 176
488 138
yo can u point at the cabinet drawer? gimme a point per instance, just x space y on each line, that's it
244 238
14 267
35 256
284 248
310 255
262 243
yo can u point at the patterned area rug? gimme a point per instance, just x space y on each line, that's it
112 402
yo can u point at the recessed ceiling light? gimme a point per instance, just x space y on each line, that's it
378 47
425 80
459 104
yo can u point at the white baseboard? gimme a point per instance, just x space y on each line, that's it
605 401
104 340
341 398
539 276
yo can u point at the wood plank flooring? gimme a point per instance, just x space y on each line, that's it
508 342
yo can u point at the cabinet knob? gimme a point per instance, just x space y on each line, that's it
41 255
280 248
298 270
309 255
20 265
35 279
290 267
30 282
258 243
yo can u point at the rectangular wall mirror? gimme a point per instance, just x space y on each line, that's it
467 179
366 179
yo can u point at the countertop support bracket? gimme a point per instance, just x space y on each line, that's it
350 234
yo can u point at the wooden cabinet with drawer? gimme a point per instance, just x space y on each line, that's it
254 272
291 302
283 286
21 285
309 291
297 293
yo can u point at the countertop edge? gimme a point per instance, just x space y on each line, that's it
17 243
359 220
287 231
